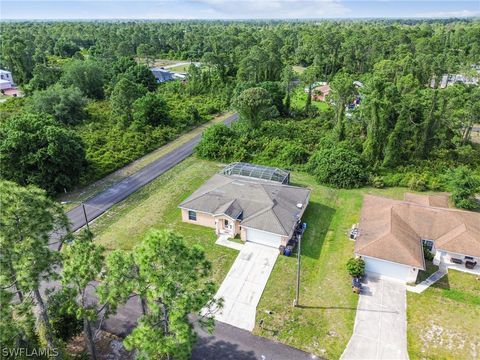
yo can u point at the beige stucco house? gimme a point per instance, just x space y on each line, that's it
392 234
257 209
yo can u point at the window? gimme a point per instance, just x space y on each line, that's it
226 223
192 215
428 244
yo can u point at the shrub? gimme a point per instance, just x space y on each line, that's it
64 325
338 166
418 182
464 184
427 254
356 267
218 143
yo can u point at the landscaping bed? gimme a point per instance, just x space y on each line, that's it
443 321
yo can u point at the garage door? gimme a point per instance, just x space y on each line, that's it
387 269
264 238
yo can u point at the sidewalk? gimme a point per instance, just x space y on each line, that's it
432 279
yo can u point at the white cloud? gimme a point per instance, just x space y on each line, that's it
448 14
270 9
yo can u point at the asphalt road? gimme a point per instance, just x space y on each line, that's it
100 203
227 342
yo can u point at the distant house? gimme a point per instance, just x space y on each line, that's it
6 80
320 92
249 200
392 234
451 79
162 75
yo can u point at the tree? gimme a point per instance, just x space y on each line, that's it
464 184
27 219
217 143
341 94
141 74
35 149
123 96
308 77
151 109
82 263
339 166
288 75
356 267
176 278
66 105
43 77
86 75
255 105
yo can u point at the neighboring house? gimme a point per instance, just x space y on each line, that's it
253 201
6 80
392 234
451 79
162 75
320 92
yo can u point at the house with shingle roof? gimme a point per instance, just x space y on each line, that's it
392 234
259 210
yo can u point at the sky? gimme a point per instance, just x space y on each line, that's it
233 9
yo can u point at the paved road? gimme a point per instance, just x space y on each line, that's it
100 203
227 342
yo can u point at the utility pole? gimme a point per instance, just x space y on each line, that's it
83 207
297 293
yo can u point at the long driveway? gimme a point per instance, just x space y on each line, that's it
243 286
227 342
380 330
100 203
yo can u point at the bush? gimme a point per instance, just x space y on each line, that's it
464 184
218 143
35 149
356 267
338 166
64 325
427 254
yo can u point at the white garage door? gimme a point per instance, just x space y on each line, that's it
387 269
264 238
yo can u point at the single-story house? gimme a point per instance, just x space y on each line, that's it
249 200
392 234
162 75
6 80
320 92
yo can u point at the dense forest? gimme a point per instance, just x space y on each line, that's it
92 105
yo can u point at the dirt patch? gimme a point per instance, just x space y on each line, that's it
109 347
437 336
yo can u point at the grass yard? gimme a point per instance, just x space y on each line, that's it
155 206
425 274
324 322
443 321
299 98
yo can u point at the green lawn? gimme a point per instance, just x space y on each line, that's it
425 274
299 98
155 206
324 322
444 321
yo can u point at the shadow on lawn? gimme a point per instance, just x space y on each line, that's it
318 218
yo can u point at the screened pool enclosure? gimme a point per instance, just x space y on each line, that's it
258 172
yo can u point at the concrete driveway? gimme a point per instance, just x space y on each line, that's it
243 286
380 330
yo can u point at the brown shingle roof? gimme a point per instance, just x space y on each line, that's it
438 200
392 230
265 206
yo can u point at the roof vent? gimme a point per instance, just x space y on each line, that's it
299 205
